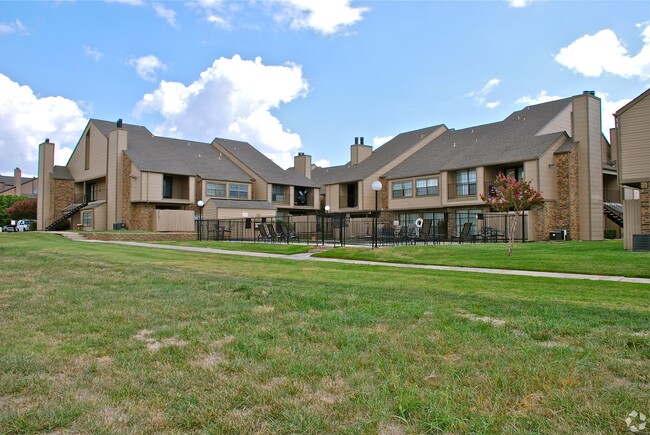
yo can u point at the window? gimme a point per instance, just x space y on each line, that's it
216 189
238 191
516 173
301 196
402 189
91 192
87 218
277 193
167 186
87 151
426 187
463 216
466 182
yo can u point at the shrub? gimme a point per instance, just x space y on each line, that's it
610 233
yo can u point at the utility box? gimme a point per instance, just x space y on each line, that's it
119 226
556 235
641 242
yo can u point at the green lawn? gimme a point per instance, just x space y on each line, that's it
267 248
594 258
99 338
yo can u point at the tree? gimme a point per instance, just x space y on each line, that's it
508 194
7 201
23 209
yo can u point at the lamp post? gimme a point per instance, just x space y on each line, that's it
376 186
322 224
199 224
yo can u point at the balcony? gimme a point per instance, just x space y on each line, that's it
461 190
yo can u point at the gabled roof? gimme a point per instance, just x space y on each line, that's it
643 95
379 158
8 180
511 140
152 153
262 165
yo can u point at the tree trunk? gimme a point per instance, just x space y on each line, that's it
511 232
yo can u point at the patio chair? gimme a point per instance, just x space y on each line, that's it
425 232
286 234
263 233
273 235
466 235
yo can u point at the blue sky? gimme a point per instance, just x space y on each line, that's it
301 75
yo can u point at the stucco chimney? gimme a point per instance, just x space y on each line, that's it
359 152
45 166
302 164
18 181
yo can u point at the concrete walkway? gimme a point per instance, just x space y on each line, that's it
309 257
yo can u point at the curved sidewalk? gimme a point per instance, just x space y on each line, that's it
309 257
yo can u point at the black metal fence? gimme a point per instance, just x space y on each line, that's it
383 229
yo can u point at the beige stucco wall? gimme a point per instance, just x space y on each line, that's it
98 156
633 131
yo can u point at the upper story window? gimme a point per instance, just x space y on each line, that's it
216 189
167 186
466 182
238 191
87 151
403 189
426 187
277 193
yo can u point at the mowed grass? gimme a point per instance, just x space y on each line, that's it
592 258
267 248
98 338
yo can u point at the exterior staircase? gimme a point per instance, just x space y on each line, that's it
58 222
614 212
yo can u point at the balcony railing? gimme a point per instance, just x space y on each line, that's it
461 190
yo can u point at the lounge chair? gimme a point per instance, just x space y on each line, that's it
263 233
466 235
286 234
273 235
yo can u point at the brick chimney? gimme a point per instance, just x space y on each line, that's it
18 181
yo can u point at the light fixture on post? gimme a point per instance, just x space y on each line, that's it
376 186
322 224
199 224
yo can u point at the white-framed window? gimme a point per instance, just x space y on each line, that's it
238 191
427 187
403 189
466 182
87 218
277 193
216 189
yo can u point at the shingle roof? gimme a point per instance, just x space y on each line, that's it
8 180
234 203
377 160
61 173
511 140
175 156
262 165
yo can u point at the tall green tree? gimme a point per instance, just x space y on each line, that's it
508 194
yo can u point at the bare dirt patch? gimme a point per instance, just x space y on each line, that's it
154 345
390 428
498 323
263 309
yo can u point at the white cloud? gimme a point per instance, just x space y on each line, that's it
378 141
608 108
93 53
542 97
166 14
233 98
323 163
7 28
216 12
519 3
146 66
127 2
26 120
326 17
480 97
604 52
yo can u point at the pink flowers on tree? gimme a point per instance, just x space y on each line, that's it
508 194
